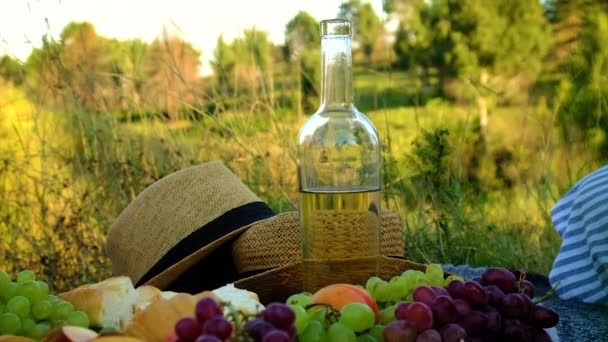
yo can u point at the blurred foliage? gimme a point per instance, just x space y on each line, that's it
488 110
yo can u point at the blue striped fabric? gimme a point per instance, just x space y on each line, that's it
581 218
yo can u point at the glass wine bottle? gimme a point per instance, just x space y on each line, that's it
338 170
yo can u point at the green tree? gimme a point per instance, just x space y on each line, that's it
12 70
367 26
484 45
302 47
223 64
586 105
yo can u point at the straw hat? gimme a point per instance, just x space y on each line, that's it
180 233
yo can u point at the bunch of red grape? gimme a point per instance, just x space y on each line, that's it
208 325
498 306
276 323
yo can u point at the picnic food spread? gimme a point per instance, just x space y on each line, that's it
413 306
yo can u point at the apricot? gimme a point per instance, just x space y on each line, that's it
338 295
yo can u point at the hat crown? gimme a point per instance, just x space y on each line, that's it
168 211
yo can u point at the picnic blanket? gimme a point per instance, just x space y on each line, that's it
579 322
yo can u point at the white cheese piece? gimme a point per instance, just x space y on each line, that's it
246 302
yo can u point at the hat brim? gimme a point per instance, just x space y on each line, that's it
164 279
280 283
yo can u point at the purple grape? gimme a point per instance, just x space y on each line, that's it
207 338
514 330
291 331
527 288
462 307
401 309
475 294
257 328
513 306
453 333
218 326
187 329
475 323
495 294
440 291
500 277
424 294
280 315
494 322
417 314
456 289
276 336
399 331
444 311
207 308
544 317
430 335
477 280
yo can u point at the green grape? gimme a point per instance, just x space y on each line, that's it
433 271
42 291
398 287
4 279
377 332
79 319
382 293
300 299
366 338
42 310
61 310
301 317
19 305
339 332
318 314
27 289
2 308
25 276
371 284
10 324
314 332
9 291
53 298
452 277
387 314
28 326
415 274
436 281
40 330
357 316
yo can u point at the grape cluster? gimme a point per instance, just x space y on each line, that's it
207 325
27 308
354 321
498 306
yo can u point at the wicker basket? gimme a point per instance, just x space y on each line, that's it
278 284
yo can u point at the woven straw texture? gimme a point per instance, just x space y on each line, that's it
168 211
277 244
280 283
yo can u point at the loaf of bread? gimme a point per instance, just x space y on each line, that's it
113 302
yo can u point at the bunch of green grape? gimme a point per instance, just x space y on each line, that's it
27 308
353 322
401 288
356 321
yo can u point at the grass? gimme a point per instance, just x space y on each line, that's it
64 176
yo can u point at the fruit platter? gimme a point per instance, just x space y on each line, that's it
417 306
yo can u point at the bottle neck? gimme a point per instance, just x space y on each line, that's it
336 80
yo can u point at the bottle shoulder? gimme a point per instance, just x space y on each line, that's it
338 122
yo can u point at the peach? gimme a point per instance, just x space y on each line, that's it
338 295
